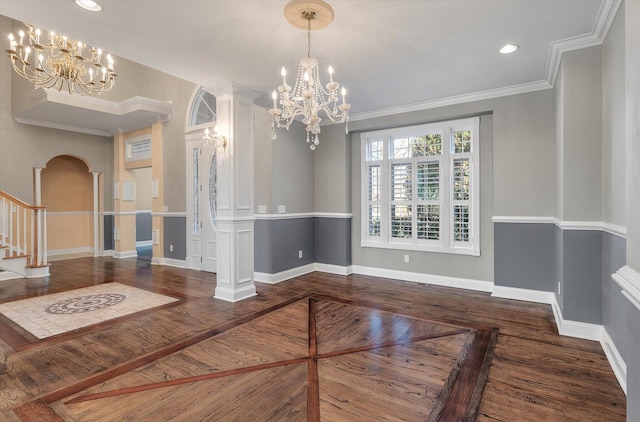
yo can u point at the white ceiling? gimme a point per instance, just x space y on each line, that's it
391 55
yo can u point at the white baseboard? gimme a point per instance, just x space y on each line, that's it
283 275
298 271
8 275
108 252
575 329
461 283
125 254
333 269
169 262
144 243
614 358
526 295
69 251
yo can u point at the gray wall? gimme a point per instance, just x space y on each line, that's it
143 226
109 222
332 241
322 240
333 171
580 105
615 306
581 282
174 234
284 168
525 255
632 104
263 160
277 243
614 184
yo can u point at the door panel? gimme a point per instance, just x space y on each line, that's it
208 209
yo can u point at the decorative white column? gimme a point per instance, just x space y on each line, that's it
96 216
235 221
37 172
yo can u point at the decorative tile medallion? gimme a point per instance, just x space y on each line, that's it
85 303
58 313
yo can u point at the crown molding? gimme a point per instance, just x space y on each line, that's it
54 109
601 27
457 99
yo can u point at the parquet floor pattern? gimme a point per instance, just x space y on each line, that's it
319 347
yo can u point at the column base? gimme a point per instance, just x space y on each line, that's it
235 295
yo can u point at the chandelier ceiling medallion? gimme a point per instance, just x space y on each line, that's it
60 62
308 96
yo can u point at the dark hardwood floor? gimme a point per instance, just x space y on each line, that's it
317 347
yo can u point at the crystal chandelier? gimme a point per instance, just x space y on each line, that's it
58 61
308 96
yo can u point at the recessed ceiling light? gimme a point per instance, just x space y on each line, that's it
89 5
509 48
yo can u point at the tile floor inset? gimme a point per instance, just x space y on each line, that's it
46 316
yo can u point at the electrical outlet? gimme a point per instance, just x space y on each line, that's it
262 209
170 248
300 254
559 287
282 209
406 258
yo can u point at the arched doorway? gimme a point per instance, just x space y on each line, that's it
68 193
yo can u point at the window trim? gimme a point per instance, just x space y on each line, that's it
132 143
446 243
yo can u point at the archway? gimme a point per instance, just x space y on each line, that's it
68 194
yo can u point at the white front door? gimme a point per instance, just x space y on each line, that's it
201 206
209 233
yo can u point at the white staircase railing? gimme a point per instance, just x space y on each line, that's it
23 230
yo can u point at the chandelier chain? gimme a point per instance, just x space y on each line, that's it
309 38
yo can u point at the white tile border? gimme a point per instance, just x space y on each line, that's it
31 315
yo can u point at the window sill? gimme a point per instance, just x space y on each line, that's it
421 248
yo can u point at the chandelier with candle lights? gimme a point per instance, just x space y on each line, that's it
308 96
55 61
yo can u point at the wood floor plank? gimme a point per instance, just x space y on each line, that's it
255 396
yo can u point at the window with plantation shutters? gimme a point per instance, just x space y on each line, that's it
420 187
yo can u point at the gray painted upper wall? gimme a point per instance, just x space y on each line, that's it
262 160
333 171
523 147
632 72
581 142
614 185
558 90
292 182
